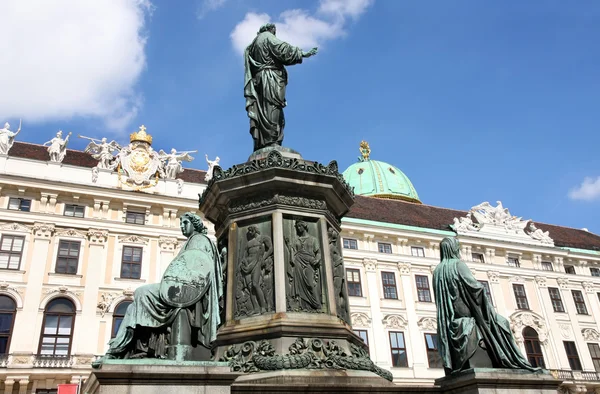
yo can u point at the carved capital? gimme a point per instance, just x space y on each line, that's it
168 244
43 230
493 276
404 268
370 265
97 236
541 281
563 282
588 286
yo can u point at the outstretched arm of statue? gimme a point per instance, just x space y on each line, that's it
310 53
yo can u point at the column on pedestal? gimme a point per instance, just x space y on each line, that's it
23 383
8 386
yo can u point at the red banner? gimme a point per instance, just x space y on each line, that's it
67 388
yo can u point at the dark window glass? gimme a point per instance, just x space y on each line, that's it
417 251
19 204
350 243
131 263
547 266
353 282
135 218
595 354
11 251
520 296
579 302
572 355
595 271
46 391
389 285
433 355
398 349
477 257
363 335
533 348
384 248
57 330
7 320
513 262
423 291
486 288
570 269
556 299
118 316
68 257
73 210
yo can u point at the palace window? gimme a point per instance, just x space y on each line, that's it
572 355
133 217
520 296
350 243
595 271
57 329
46 391
477 258
533 348
547 266
433 355
76 211
579 302
384 247
19 204
486 288
423 291
398 349
595 354
556 299
7 320
118 316
363 335
570 269
389 285
417 251
353 282
131 262
11 251
513 262
68 257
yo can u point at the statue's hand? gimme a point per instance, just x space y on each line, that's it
310 53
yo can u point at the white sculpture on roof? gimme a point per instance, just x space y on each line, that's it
58 147
487 221
171 162
102 151
211 166
7 138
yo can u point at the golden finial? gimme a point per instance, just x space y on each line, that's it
365 150
141 136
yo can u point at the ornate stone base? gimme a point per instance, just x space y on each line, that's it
498 381
153 376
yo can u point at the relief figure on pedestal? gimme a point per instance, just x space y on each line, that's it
181 312
256 268
304 265
339 275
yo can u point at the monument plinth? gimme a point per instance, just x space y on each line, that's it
286 305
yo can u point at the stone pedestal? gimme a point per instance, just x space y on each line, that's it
279 218
498 381
153 376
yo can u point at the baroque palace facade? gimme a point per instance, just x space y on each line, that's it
78 237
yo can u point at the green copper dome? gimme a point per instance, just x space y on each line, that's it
379 179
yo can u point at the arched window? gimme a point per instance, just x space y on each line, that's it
118 316
57 330
533 347
7 321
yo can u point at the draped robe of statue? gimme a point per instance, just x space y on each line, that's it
305 263
265 80
466 316
149 309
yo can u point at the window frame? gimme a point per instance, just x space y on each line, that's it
388 286
594 271
513 261
595 360
417 248
572 358
481 258
10 252
359 332
398 348
385 245
56 336
20 207
136 215
568 268
131 263
487 290
351 242
77 258
433 353
75 207
580 303
428 288
559 299
348 282
533 341
518 297
546 264
116 316
13 312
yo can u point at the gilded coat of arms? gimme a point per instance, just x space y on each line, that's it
139 162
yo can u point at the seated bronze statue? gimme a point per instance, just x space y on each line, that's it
178 317
470 332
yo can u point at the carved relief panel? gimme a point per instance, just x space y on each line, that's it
254 280
304 265
339 274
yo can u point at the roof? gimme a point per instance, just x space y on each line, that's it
81 159
427 216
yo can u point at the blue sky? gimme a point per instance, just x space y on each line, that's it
474 100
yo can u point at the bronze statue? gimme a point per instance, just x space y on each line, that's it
256 267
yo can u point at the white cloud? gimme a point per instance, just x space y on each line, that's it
300 27
589 190
208 6
68 58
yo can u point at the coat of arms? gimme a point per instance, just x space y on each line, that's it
139 162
